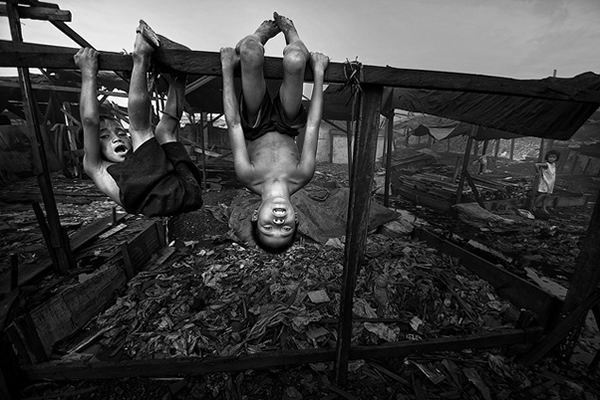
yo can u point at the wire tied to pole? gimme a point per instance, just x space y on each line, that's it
353 75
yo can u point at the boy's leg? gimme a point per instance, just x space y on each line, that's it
138 102
295 57
166 130
252 56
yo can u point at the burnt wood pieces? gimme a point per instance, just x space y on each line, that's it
191 365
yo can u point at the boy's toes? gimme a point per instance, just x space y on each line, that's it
148 34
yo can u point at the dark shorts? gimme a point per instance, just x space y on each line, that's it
271 118
158 180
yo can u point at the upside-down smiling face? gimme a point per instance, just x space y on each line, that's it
276 222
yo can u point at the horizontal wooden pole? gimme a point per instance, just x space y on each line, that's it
64 89
39 13
209 63
57 370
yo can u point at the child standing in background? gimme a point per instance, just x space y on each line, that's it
547 171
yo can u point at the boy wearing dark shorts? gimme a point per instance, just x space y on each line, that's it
148 171
262 130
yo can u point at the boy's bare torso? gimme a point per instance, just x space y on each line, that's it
274 157
104 180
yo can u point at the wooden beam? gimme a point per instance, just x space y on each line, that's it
518 291
388 159
209 63
65 89
363 166
203 365
59 238
203 80
72 308
465 166
79 239
39 13
561 331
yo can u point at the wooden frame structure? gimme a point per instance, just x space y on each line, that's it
372 81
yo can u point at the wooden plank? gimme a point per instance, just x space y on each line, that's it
202 365
143 246
64 89
465 165
39 13
209 63
72 308
60 241
25 339
6 303
363 166
561 330
518 291
473 188
79 239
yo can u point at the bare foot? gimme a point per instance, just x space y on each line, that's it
267 30
230 59
319 61
145 40
263 33
286 26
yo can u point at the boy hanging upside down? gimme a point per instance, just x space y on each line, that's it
262 129
148 172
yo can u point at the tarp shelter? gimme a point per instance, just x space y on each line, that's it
442 128
549 119
523 116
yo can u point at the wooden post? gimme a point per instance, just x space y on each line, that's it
536 179
388 158
465 165
203 147
485 147
476 148
512 149
358 218
582 286
59 239
350 132
574 165
14 271
497 148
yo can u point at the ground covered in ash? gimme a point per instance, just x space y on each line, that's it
216 297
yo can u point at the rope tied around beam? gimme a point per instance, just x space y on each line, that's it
353 75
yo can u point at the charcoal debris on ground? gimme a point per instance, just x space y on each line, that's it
215 297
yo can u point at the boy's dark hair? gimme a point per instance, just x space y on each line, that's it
267 248
556 153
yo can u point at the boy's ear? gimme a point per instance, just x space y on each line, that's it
296 220
254 216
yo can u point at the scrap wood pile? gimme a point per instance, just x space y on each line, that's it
20 230
229 301
442 186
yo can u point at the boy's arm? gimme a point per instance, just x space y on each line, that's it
87 60
319 63
241 160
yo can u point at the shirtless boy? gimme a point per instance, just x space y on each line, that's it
262 130
147 172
